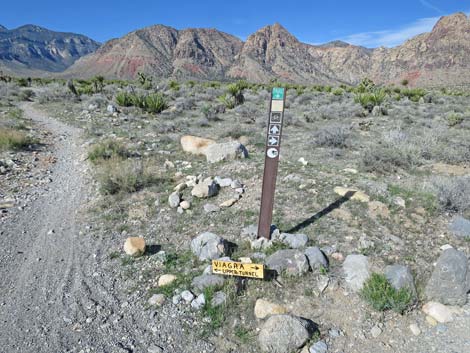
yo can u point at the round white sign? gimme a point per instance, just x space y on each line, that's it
272 153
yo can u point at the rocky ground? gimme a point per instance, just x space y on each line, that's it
359 190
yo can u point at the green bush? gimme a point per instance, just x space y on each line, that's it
227 100
107 150
174 86
124 99
380 294
454 119
413 94
155 103
338 91
369 100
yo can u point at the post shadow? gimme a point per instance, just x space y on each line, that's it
322 213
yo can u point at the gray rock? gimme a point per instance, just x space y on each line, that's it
225 151
174 200
236 184
220 298
450 280
290 261
203 281
176 299
356 271
294 241
261 244
284 333
199 302
400 277
208 246
460 227
376 111
223 182
316 258
187 296
209 208
154 349
376 331
111 108
250 232
157 299
318 347
206 188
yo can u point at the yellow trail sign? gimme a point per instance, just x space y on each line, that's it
230 268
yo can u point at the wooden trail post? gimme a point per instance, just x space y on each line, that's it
271 161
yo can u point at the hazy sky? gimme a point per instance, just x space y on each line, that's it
369 23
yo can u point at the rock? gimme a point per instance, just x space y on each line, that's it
199 302
400 277
450 280
318 347
176 299
350 170
398 201
111 108
378 209
208 246
156 299
250 232
356 271
219 298
316 258
415 330
134 246
264 308
236 184
225 151
375 331
206 188
460 227
209 208
203 281
261 244
290 262
185 205
155 349
302 161
376 111
355 194
174 200
294 241
223 182
439 312
195 145
228 203
322 283
187 296
165 280
180 187
284 333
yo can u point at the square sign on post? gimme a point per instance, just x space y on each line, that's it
271 161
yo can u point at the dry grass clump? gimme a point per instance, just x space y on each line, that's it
11 139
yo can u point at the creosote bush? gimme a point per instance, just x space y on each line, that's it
380 294
107 150
332 136
453 193
11 139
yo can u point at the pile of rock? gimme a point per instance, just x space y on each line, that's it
213 151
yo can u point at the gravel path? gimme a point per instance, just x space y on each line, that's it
57 293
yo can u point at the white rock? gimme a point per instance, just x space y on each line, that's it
440 312
166 279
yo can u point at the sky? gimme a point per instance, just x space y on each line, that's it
371 23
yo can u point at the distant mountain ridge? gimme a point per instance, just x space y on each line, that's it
28 48
438 58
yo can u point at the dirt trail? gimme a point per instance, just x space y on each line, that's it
56 292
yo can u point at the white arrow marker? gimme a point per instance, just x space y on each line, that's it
273 141
274 130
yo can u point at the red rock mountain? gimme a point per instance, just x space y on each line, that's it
441 57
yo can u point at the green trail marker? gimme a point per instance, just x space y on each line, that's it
278 93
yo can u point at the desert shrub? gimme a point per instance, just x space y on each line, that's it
155 103
454 119
368 100
23 82
227 100
117 175
26 95
366 85
404 82
185 103
453 193
107 150
304 99
332 136
174 86
124 99
413 94
338 91
11 139
97 83
380 294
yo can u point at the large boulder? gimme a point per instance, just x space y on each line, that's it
285 333
195 145
265 308
291 262
294 241
208 246
225 151
460 227
356 271
450 280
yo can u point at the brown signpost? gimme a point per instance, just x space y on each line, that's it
271 161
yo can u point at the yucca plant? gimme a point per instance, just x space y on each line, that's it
155 103
124 99
227 100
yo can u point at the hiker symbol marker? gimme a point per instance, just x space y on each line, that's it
273 145
240 269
